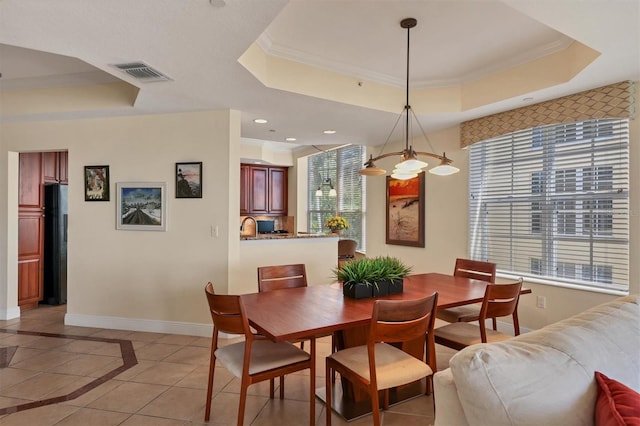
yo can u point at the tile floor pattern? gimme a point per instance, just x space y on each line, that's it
167 386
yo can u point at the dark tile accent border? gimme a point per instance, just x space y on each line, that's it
128 357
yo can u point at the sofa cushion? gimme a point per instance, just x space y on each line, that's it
546 376
617 405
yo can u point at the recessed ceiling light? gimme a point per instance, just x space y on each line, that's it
329 132
290 139
260 121
527 99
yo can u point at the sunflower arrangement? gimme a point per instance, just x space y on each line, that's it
336 222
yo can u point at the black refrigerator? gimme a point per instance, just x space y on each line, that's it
55 244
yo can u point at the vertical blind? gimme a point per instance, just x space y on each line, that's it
341 166
552 202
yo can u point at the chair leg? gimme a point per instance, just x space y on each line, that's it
243 400
328 384
429 385
212 367
516 323
375 406
495 323
272 388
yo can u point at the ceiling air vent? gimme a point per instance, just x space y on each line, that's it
142 71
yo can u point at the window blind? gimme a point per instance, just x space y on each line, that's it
341 166
552 202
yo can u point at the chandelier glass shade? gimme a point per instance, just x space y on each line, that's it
409 165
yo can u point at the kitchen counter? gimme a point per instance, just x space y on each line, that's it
284 236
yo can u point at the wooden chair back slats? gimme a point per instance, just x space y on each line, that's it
402 321
281 277
475 269
225 312
501 300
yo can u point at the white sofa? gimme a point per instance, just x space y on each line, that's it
545 377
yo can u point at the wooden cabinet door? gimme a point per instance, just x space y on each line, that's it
30 230
30 258
50 170
244 190
30 184
63 174
258 198
278 191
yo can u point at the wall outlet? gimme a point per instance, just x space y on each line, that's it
541 302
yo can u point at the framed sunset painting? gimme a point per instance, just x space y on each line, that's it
405 211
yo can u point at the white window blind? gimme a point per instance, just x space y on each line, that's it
552 202
341 166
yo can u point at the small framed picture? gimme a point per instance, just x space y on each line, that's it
142 206
96 183
189 180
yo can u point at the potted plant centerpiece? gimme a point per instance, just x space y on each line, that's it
372 276
336 224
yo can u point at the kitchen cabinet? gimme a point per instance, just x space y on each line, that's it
54 167
35 170
263 190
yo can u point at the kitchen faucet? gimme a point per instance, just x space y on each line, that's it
255 222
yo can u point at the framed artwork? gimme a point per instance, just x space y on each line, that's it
141 206
189 180
405 211
96 183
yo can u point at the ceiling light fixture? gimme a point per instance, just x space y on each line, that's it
409 166
329 132
290 139
260 121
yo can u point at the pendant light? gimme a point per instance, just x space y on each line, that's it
409 165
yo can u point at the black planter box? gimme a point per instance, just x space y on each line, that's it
381 288
357 291
396 286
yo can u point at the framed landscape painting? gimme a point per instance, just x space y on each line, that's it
405 211
142 206
189 180
96 183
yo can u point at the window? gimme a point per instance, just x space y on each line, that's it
340 168
552 202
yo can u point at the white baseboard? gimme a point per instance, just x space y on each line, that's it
11 313
138 324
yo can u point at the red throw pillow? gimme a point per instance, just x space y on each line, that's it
617 404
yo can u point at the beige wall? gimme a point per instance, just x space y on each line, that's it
120 277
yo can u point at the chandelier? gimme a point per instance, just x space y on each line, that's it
409 165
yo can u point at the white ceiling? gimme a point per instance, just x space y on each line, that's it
198 44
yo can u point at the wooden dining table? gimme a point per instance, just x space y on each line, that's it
321 310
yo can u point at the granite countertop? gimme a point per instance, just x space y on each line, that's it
284 236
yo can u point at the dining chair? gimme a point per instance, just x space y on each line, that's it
279 277
346 250
380 365
500 300
256 358
476 270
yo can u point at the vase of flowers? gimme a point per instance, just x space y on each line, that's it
336 224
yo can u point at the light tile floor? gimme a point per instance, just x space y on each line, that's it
166 387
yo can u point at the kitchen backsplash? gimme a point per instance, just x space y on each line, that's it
280 223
